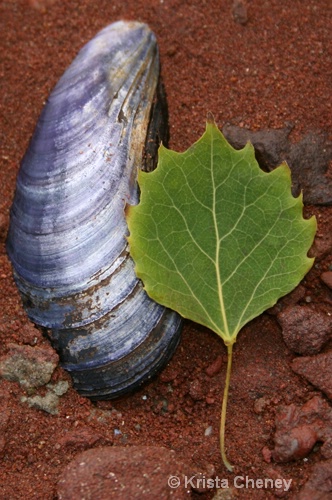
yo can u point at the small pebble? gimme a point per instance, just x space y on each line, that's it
267 454
260 405
81 438
196 390
208 431
214 368
305 329
327 278
239 11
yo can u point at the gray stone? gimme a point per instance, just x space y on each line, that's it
48 403
30 366
308 159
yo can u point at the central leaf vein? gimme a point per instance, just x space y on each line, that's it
217 253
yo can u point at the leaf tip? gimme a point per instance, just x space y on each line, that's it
210 118
314 224
249 148
211 127
161 148
286 168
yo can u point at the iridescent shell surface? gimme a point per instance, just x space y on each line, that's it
67 237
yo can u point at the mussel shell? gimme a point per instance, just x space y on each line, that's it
67 239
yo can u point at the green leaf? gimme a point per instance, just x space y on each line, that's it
216 238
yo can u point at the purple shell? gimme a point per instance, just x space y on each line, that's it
67 237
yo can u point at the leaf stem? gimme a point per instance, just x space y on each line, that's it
224 408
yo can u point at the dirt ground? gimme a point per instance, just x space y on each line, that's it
266 69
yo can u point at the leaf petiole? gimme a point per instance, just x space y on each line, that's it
224 407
